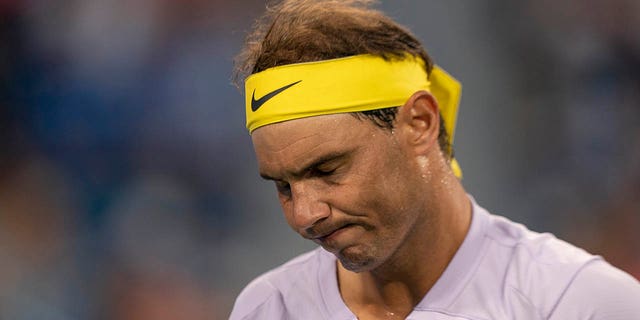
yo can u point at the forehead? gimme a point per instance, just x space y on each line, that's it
306 130
296 141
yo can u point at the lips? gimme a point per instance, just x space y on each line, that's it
332 233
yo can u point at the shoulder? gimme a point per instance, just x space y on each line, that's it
532 253
544 274
267 295
600 291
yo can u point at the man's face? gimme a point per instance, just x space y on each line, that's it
345 184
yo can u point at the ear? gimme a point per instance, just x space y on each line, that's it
419 121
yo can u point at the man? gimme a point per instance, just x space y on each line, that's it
354 124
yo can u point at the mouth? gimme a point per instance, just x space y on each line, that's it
332 234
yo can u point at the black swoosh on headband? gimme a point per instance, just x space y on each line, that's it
256 104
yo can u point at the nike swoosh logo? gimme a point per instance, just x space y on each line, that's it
256 104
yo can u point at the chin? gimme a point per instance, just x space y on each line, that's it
357 261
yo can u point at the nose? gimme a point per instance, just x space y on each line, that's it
307 206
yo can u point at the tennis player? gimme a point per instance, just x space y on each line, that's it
354 123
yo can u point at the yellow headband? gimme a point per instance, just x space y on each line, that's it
352 84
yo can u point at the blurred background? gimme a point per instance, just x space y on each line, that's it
128 186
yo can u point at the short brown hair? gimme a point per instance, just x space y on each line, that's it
295 31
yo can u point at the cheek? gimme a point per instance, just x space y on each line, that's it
393 197
380 197
380 179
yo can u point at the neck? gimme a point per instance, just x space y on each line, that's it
398 285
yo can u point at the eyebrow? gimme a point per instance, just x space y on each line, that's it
332 156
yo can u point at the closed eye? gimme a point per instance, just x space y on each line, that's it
283 188
322 172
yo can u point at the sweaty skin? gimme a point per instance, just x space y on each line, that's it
384 202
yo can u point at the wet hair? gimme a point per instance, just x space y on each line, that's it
295 31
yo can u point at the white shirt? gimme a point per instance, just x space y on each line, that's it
501 271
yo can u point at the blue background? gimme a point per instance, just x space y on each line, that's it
128 186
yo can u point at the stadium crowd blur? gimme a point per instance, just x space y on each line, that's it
128 186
